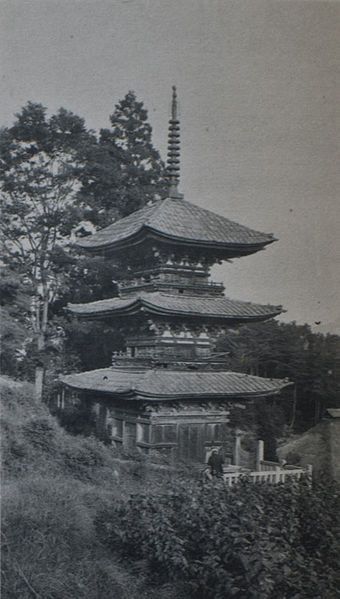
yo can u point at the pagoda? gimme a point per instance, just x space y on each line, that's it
169 391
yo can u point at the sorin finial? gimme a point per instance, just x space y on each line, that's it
173 162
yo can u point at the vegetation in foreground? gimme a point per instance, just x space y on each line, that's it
80 523
247 542
54 485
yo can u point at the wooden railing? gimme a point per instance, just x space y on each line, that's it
270 472
273 475
279 475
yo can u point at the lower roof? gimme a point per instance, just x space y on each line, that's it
182 305
165 384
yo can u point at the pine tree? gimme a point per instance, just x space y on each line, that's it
125 171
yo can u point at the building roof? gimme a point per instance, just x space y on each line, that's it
178 220
162 384
165 303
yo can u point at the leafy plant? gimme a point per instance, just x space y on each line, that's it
247 542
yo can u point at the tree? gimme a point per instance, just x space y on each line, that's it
124 172
281 350
40 164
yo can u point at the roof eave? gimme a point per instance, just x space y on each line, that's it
138 237
140 304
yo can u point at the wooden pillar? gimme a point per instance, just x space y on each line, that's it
102 421
259 454
277 474
237 447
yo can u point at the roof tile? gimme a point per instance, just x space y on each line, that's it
180 220
163 303
162 384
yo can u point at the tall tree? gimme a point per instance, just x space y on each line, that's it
40 164
125 171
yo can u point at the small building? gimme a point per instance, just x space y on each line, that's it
169 391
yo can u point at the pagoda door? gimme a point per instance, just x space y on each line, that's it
190 446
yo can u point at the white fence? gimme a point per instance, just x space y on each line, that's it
279 475
270 472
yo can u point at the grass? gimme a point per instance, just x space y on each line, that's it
55 486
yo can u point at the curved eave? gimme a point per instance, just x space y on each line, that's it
140 306
207 396
172 384
138 395
230 249
123 393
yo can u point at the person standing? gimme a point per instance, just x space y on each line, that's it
215 462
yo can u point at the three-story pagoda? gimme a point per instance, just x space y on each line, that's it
169 390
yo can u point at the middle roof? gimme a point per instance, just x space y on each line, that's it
218 308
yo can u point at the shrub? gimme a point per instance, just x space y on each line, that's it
54 487
248 542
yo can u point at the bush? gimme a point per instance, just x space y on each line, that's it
247 542
66 515
54 487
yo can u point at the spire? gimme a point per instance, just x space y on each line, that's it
173 163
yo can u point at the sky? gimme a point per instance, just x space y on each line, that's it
258 84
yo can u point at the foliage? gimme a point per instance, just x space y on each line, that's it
15 299
288 350
59 181
69 505
54 487
125 171
40 162
247 542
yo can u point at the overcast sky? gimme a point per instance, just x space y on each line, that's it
258 83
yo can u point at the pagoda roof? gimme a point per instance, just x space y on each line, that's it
165 384
164 304
174 219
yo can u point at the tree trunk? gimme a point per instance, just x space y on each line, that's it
42 321
39 370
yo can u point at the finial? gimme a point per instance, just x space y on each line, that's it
173 162
174 103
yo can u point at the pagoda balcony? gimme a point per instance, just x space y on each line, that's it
176 269
161 358
186 288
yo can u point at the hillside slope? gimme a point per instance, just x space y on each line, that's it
55 488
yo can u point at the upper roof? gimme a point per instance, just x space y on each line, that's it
162 384
178 220
182 305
